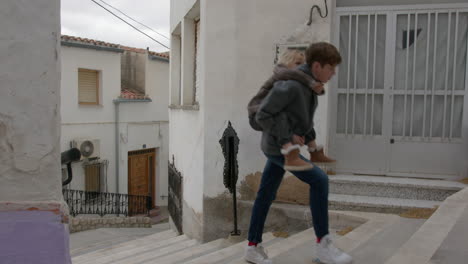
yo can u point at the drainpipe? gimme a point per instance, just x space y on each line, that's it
117 102
117 141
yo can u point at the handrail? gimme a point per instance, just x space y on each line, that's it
103 203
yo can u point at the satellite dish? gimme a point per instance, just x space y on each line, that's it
87 148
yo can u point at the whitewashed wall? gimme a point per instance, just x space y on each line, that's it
237 42
90 121
147 124
139 123
29 101
240 36
187 140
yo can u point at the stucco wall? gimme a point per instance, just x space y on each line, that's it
250 29
133 70
108 63
139 123
179 9
186 144
90 121
29 101
32 213
237 53
187 139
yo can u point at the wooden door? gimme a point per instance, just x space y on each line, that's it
141 175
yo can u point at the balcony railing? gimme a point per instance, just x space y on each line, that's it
100 203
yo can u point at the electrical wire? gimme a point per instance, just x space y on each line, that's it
130 24
134 19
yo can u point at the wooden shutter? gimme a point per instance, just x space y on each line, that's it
88 86
93 177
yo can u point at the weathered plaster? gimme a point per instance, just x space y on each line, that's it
291 190
133 69
247 60
240 36
192 222
33 215
29 101
219 219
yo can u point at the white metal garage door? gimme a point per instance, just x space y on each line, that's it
401 90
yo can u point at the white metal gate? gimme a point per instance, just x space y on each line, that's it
401 89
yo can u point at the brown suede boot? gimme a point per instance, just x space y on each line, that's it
320 157
292 160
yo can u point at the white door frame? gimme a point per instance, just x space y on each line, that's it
391 11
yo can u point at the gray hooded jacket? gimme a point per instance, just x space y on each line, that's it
288 109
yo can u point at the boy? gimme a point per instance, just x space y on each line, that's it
286 117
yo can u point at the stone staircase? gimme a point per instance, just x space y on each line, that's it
378 238
388 194
166 247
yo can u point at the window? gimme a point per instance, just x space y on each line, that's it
196 62
88 87
185 62
95 177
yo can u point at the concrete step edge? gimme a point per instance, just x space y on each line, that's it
220 255
136 246
433 232
284 245
153 256
398 182
192 253
380 201
90 248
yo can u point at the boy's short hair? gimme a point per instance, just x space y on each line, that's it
323 53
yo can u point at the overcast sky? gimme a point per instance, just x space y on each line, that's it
83 18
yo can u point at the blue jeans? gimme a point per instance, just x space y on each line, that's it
271 180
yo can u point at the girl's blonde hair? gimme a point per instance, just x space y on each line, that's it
289 56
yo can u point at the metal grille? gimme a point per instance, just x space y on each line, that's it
430 72
105 203
361 74
175 196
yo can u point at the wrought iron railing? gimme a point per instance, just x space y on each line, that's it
100 203
175 196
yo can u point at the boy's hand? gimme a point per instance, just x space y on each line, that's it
318 88
298 140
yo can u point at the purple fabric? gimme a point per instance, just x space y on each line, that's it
37 237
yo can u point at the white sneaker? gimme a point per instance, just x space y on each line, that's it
256 255
327 253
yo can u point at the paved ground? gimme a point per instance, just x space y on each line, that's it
86 241
454 249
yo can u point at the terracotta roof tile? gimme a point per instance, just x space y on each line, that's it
132 94
111 45
160 54
89 41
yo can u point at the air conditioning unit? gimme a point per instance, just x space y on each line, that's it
90 148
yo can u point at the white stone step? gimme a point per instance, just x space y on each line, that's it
376 204
384 244
91 247
136 246
92 240
424 243
300 248
394 187
221 255
118 247
191 253
284 245
154 255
